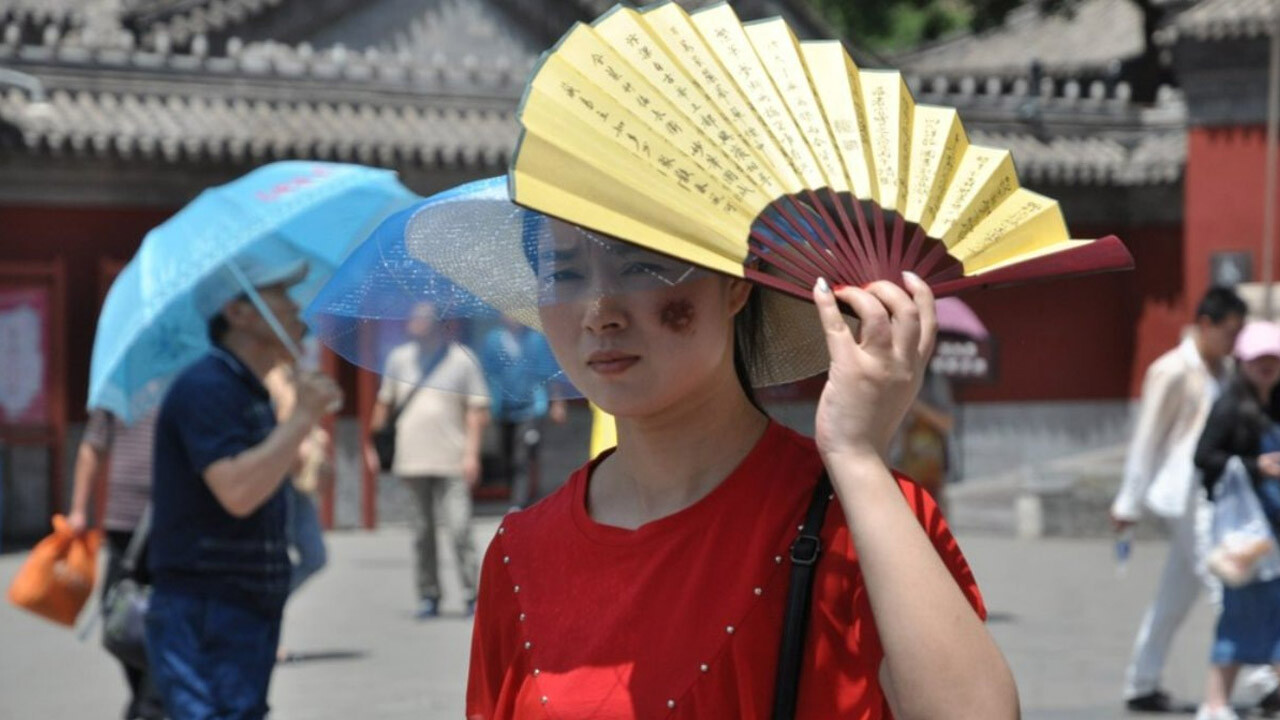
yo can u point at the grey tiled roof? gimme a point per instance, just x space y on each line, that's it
41 10
187 20
1098 34
181 128
199 127
392 105
1154 158
1223 20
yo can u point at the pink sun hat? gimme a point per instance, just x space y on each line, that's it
1259 338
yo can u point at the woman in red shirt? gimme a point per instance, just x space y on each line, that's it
653 583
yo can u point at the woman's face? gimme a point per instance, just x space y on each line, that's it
635 331
1262 372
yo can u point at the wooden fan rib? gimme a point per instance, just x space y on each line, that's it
826 231
775 283
779 259
896 250
859 259
806 254
1107 254
783 271
840 248
914 247
878 243
803 228
864 237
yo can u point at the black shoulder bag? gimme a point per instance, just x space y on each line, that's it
804 556
124 609
384 438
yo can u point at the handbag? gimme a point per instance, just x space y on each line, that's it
124 609
805 550
1244 547
57 577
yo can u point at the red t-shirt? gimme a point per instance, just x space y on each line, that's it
682 617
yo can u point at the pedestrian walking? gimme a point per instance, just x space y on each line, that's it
125 451
219 554
520 401
1243 425
434 392
1177 393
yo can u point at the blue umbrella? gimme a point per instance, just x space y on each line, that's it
151 326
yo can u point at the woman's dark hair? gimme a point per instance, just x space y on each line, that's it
1220 303
1252 411
748 337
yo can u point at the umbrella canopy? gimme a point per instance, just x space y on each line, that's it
363 311
152 325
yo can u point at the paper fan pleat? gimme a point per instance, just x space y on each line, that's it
741 149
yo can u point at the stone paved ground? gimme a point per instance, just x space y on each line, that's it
1063 618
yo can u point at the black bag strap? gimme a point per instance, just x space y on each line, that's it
426 367
397 409
804 557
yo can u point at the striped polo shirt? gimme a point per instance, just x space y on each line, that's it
129 471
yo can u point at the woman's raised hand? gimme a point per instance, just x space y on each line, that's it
875 375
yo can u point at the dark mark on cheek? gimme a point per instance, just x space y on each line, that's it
677 316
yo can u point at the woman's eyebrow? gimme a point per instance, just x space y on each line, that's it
558 255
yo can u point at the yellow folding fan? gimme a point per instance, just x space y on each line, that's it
736 147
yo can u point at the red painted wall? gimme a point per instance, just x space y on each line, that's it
1081 338
81 237
1224 181
1078 339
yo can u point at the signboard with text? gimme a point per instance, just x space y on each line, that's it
24 355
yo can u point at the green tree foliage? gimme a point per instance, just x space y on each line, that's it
894 25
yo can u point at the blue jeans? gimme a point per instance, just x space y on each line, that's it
305 536
210 659
1269 497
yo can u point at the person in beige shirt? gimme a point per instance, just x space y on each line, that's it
443 401
1177 393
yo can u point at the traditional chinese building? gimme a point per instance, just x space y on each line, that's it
142 103
137 105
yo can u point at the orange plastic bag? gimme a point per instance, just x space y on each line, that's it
58 576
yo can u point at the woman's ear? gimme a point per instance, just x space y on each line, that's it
739 291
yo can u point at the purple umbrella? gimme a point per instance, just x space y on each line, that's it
954 316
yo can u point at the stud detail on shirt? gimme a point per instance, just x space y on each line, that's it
517 589
536 672
522 616
506 560
777 559
759 592
671 704
544 699
528 645
704 667
729 629
501 530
